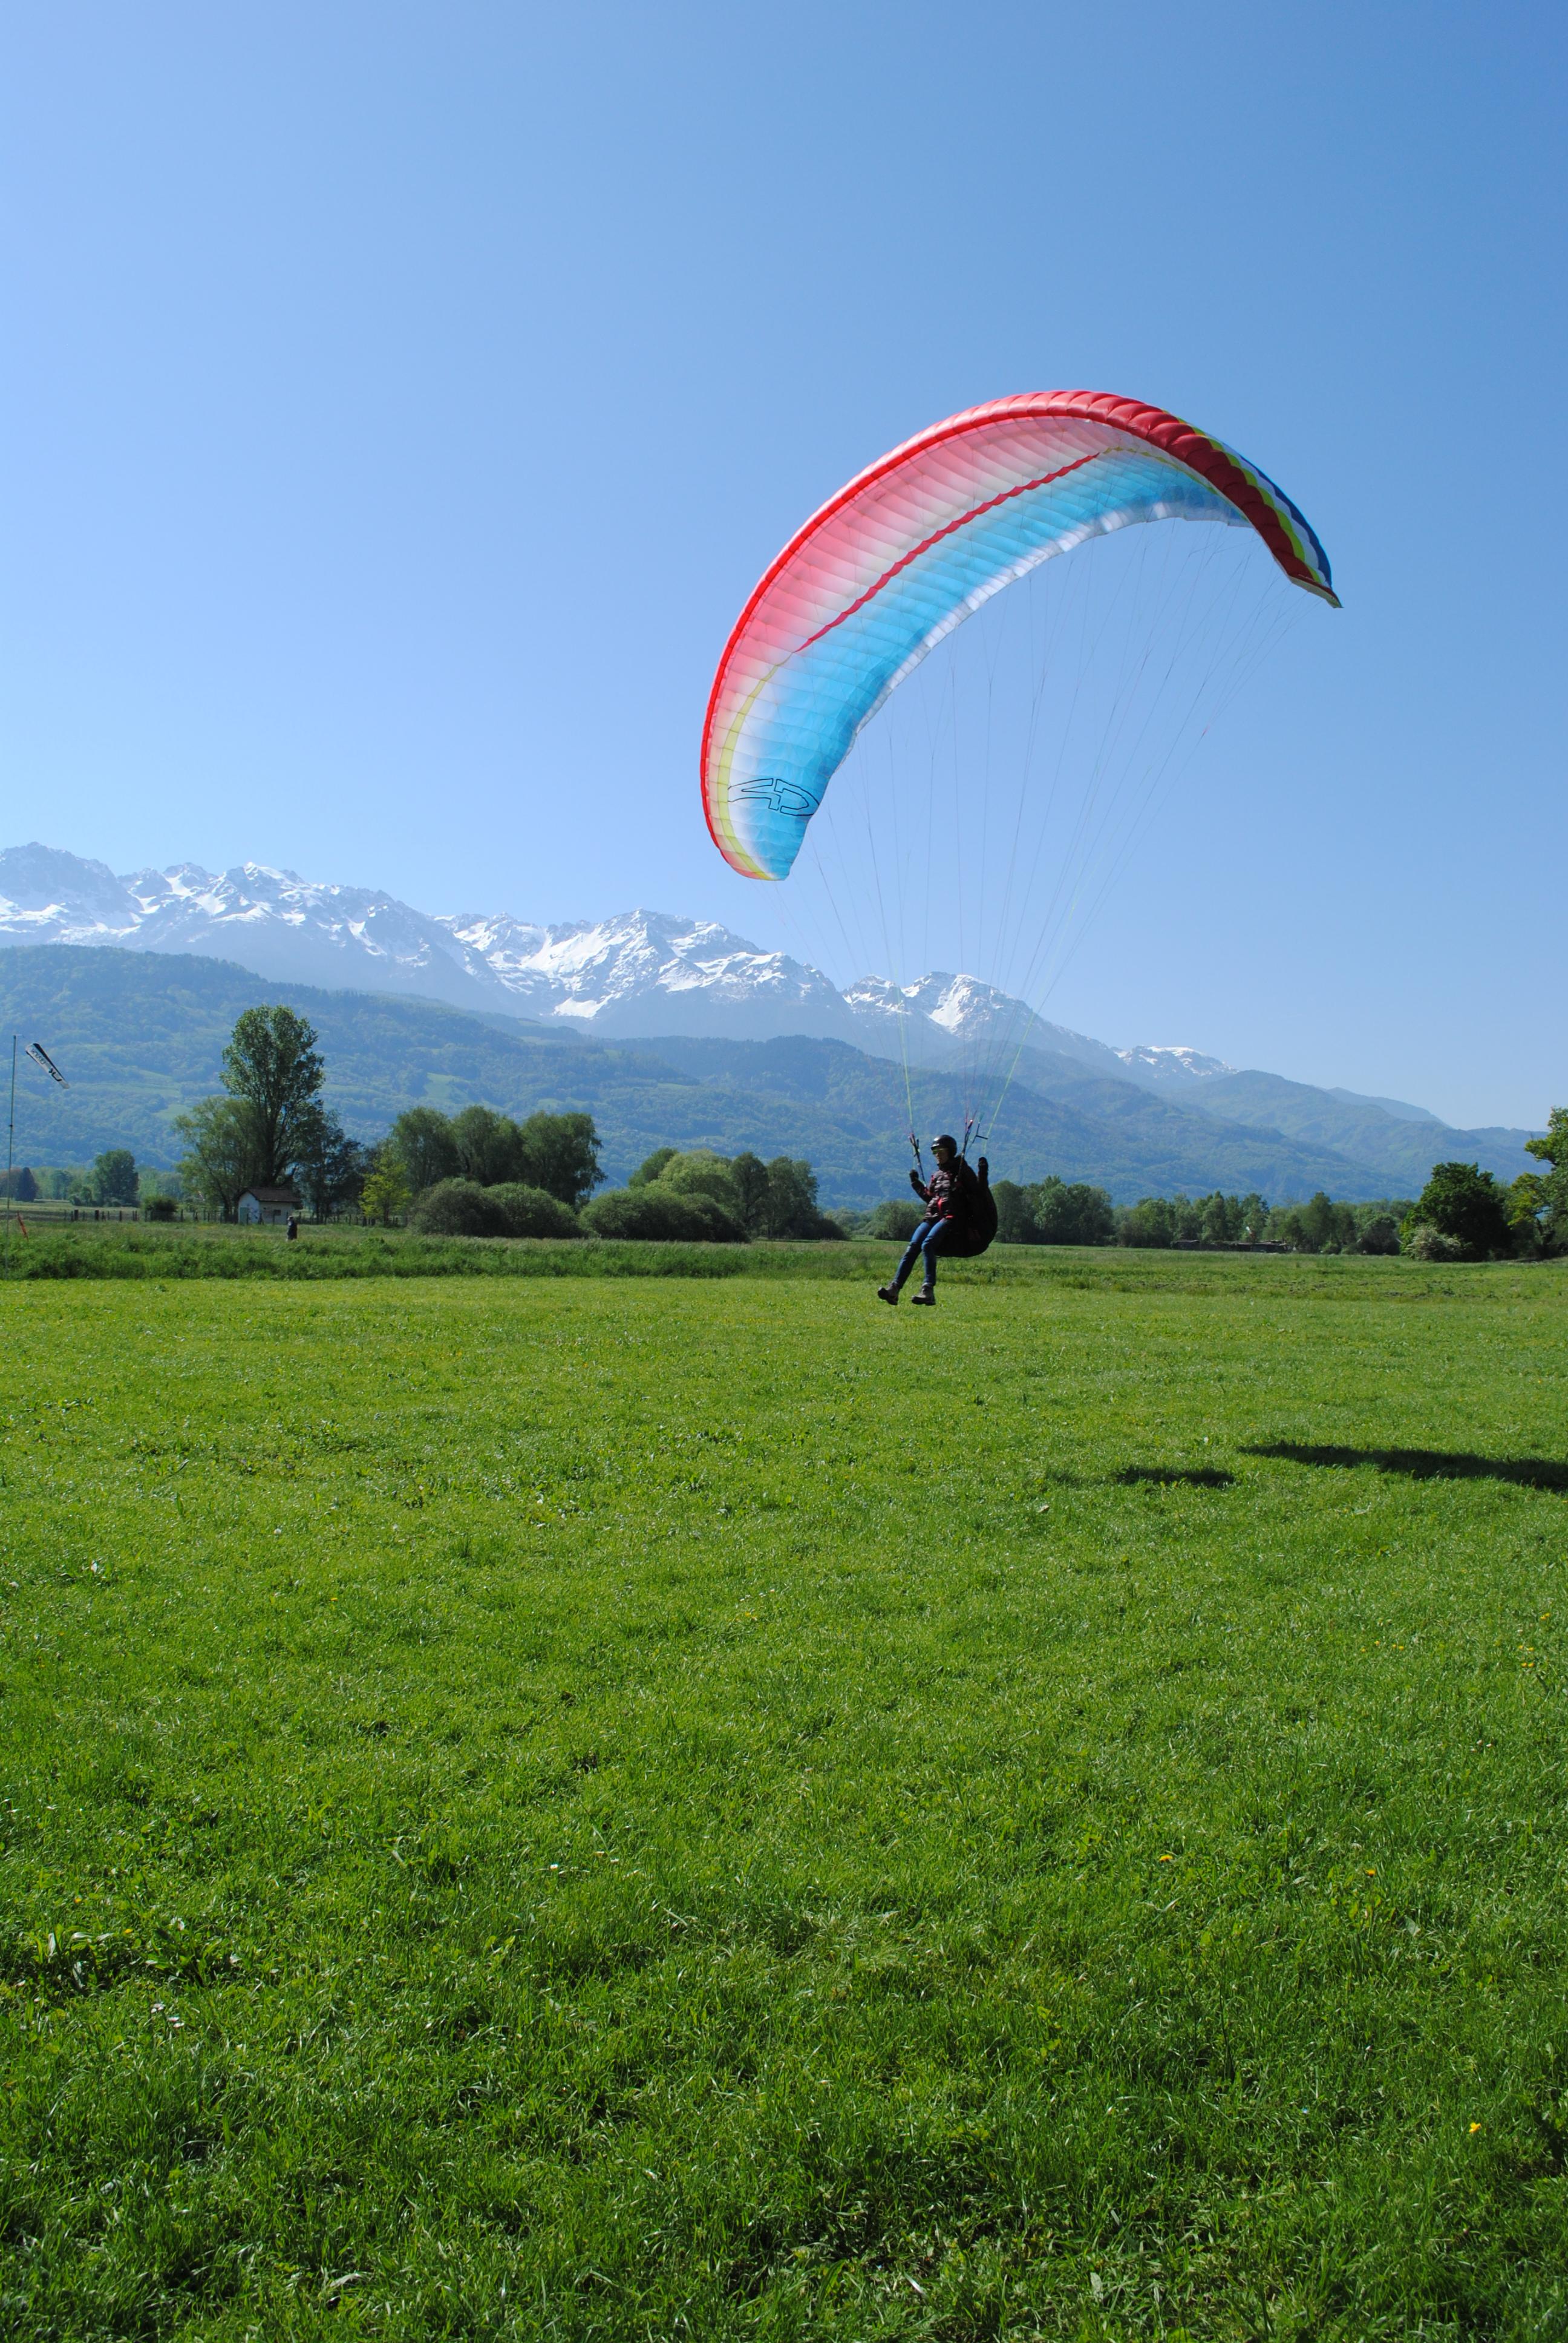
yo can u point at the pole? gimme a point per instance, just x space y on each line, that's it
10 1153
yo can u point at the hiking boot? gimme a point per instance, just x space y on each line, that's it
925 1295
886 1294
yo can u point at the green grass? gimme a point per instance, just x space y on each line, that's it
653 1808
215 1249
212 1249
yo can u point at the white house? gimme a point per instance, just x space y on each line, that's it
272 1205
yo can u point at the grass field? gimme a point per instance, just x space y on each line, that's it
675 1807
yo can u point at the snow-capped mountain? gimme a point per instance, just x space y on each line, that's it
645 972
1171 1062
948 1017
272 921
642 974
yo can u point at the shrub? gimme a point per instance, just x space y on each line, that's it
659 1214
701 1173
1427 1243
160 1208
1461 1202
532 1211
898 1218
458 1208
1380 1235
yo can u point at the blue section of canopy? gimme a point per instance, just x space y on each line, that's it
806 715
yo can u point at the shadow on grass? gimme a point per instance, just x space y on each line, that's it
1170 1476
1425 1463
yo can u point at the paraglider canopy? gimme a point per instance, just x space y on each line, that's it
916 543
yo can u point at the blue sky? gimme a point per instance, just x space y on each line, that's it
401 402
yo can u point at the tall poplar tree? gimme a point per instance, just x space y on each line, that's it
273 1067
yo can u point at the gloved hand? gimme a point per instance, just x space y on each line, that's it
917 1183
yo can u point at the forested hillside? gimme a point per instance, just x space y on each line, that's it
140 1037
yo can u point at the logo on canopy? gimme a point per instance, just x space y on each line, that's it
778 796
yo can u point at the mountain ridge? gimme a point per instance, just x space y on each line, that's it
140 1036
643 972
648 976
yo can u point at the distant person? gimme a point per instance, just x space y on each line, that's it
952 1197
292 1230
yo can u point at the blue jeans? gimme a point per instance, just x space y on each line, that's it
923 1246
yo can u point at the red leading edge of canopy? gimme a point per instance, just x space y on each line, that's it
1154 425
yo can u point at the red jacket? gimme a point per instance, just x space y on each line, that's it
950 1195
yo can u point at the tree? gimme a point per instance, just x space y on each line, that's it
1075 1215
1252 1219
331 1166
1152 1220
223 1152
273 1066
650 1169
749 1174
699 1172
384 1196
899 1216
22 1186
790 1209
113 1177
421 1139
1014 1219
1465 1204
1218 1226
559 1153
1525 1202
1551 1213
489 1147
1319 1225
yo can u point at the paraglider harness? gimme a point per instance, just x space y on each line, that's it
974 1224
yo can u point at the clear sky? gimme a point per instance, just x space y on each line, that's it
401 401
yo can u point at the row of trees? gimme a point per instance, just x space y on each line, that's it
112 1178
482 1172
478 1173
776 1198
1056 1211
695 1195
555 1155
1463 1213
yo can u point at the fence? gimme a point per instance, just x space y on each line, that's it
52 1210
